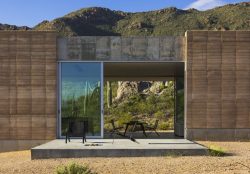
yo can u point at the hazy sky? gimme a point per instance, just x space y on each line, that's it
31 12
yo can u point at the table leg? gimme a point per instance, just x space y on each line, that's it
134 127
126 129
133 130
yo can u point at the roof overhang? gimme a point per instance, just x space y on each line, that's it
143 71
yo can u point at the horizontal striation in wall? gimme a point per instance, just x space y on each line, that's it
218 134
28 76
115 48
218 81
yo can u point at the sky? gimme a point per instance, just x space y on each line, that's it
31 12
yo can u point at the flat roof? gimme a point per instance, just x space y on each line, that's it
152 71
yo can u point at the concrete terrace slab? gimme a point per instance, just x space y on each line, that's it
119 148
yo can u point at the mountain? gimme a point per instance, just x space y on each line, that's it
13 27
89 21
170 21
97 21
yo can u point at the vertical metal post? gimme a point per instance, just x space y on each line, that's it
102 102
59 135
175 119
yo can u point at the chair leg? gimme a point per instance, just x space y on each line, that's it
69 137
143 130
83 135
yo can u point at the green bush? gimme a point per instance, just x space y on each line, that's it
74 168
159 115
143 106
216 151
166 125
125 117
170 123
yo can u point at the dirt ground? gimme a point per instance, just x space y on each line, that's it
238 161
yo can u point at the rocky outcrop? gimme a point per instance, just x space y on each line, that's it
156 87
129 88
126 89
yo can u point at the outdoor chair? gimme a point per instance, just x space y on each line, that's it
153 128
115 130
77 128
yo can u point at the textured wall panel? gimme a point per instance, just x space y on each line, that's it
27 85
116 48
218 79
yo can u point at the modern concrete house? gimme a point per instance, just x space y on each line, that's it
40 71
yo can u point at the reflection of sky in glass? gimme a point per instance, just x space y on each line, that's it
79 79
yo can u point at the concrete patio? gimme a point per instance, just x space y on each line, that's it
117 148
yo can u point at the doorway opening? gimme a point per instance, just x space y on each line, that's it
144 92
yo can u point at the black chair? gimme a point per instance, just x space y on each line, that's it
77 128
153 128
115 130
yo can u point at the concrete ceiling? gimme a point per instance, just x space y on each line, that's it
143 71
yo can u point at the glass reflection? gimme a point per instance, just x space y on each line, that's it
81 95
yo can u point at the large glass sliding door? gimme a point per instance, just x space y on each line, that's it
179 106
81 96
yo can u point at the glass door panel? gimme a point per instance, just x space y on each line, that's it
179 106
81 96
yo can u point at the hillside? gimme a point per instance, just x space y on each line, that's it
170 21
139 100
12 27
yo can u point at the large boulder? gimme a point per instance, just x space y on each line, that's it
126 89
129 88
156 87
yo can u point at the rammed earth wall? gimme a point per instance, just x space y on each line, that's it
28 87
218 85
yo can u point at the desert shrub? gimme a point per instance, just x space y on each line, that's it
107 126
166 125
163 126
125 117
170 123
143 106
216 151
160 115
74 168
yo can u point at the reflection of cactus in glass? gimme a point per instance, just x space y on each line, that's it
72 105
109 94
81 94
85 99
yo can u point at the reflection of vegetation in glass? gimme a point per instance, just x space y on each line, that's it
84 106
180 100
147 107
81 96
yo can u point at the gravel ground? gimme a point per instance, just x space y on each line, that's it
238 161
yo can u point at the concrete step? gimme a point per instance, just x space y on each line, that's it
117 148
